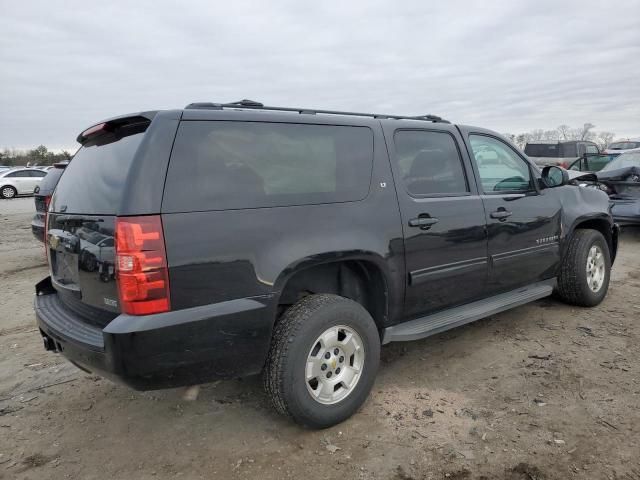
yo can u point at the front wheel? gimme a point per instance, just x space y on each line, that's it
323 360
586 269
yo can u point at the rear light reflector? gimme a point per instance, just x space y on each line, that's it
142 273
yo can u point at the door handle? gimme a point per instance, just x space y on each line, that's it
501 214
423 222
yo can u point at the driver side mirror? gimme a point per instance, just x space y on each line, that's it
553 176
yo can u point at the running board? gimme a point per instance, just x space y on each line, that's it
455 317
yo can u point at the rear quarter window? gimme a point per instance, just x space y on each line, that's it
220 165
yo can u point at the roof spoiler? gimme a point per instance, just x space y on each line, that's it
115 128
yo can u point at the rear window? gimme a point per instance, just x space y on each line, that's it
219 165
551 150
624 145
94 179
50 181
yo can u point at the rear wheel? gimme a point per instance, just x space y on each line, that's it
8 192
586 268
323 360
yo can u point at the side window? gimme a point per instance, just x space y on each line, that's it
19 173
219 165
581 149
592 149
37 173
500 168
430 163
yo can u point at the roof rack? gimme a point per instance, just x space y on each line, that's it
253 105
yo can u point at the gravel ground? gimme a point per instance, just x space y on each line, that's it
545 391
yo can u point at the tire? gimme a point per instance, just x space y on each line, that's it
296 351
8 192
584 281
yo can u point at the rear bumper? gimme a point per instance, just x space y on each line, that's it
184 347
626 211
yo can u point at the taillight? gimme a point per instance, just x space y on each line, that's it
141 265
47 200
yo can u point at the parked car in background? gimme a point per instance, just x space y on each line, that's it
591 163
561 154
620 179
42 197
19 181
621 146
295 242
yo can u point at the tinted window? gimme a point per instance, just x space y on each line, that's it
94 179
429 162
500 167
19 173
49 182
37 173
226 165
551 150
543 150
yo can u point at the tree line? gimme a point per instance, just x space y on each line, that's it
36 156
563 133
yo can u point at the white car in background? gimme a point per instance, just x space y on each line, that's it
19 181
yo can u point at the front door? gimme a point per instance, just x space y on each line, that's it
442 219
523 221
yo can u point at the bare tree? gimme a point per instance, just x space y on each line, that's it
585 132
564 132
603 139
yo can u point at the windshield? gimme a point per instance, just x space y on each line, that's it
630 159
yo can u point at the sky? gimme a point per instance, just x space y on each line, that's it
510 65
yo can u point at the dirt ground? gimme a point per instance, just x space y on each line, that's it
545 391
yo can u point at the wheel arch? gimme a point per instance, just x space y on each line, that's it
601 223
359 276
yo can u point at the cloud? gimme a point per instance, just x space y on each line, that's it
509 66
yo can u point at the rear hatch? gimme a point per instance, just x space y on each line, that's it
80 239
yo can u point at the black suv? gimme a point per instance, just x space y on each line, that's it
226 240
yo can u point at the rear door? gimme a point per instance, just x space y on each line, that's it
21 181
523 222
442 218
81 225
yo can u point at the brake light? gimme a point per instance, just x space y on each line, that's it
93 130
142 273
